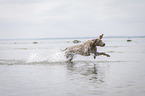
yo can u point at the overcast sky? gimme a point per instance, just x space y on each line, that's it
71 18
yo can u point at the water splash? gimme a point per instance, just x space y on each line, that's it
52 55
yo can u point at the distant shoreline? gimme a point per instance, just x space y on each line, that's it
74 38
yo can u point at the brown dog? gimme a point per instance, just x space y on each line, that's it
86 49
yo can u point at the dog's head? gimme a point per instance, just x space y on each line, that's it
98 42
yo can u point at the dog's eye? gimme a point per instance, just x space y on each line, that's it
100 41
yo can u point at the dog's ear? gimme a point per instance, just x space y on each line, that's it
101 36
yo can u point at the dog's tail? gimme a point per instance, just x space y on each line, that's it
64 49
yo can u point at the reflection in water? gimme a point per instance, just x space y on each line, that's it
88 77
90 72
95 70
70 65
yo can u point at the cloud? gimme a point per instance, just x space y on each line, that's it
86 17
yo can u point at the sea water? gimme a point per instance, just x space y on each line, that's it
39 68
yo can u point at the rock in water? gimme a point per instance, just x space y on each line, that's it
76 41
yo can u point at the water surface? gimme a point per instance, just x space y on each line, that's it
42 70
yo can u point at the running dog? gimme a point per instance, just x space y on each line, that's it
86 49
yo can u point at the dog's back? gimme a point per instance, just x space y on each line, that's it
81 48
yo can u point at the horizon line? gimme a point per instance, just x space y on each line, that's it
73 37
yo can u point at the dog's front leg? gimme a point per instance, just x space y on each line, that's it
102 53
95 54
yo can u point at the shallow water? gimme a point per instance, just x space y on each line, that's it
42 70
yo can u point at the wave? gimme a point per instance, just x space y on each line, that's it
115 52
24 62
52 56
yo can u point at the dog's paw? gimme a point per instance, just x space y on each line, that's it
107 55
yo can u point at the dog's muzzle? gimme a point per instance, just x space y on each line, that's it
103 45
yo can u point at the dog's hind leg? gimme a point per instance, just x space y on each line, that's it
69 57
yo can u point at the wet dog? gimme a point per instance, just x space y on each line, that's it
86 49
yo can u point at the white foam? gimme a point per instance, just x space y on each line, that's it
52 55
